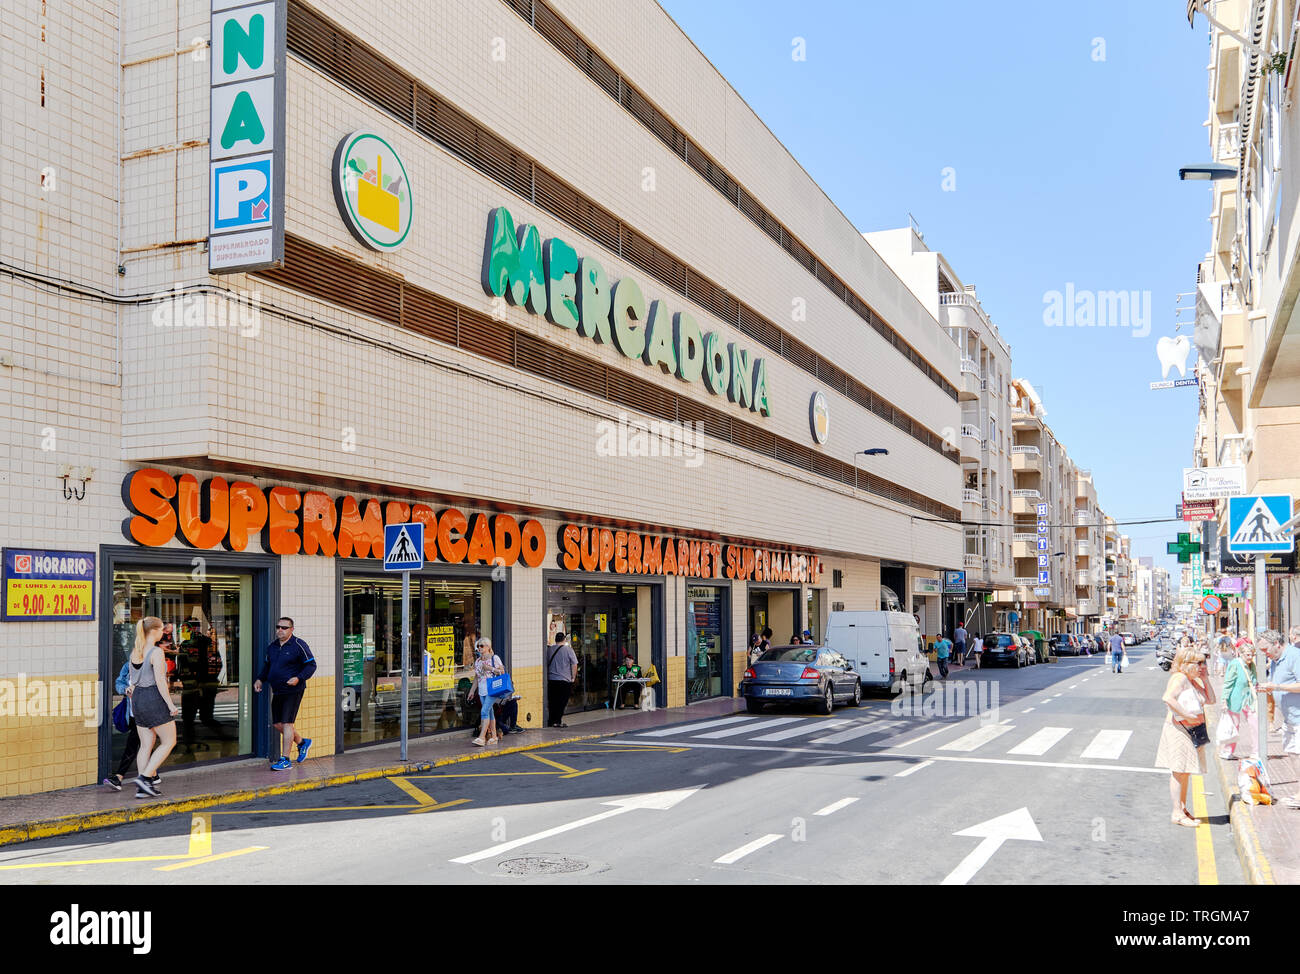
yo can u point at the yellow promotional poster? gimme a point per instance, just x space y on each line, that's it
440 658
47 586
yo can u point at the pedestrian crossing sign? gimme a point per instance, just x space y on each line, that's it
1255 524
403 547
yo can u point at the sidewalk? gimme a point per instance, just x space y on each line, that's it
29 817
1267 836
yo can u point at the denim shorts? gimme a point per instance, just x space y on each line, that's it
486 711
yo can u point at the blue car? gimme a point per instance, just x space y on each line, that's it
800 674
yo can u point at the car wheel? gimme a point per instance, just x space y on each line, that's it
926 679
857 693
1018 663
827 702
753 706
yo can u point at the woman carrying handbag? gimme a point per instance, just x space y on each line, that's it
487 666
1237 731
1183 737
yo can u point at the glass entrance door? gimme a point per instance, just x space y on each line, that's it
601 621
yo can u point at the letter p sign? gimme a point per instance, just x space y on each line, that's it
241 194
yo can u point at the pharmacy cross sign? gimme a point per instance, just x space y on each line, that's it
1184 548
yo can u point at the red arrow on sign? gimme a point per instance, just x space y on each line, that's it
259 210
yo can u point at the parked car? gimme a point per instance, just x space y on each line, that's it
1005 648
885 648
801 674
1129 638
1065 644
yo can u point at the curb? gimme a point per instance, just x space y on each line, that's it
1253 861
87 821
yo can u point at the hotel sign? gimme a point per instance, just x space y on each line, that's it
590 549
549 278
246 138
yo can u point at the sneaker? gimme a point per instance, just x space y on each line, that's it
114 781
281 765
145 789
302 749
156 781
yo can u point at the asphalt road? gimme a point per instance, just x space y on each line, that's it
1051 782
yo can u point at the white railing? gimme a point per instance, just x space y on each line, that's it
1082 517
971 366
1231 449
1228 150
1028 494
1029 581
969 496
972 431
1024 536
1026 450
973 561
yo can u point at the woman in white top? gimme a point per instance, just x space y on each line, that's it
487 665
1186 694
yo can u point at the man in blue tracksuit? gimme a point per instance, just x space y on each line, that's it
289 664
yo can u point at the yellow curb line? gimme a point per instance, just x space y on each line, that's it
85 822
1253 861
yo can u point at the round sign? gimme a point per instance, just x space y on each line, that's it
372 190
819 417
1211 604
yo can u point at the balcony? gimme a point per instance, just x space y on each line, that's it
1024 546
1026 501
1232 450
970 443
1026 458
1084 519
1228 151
975 562
970 495
1083 549
970 384
1087 607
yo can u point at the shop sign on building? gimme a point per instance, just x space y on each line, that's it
926 586
549 278
954 583
1210 483
373 190
48 586
246 137
591 549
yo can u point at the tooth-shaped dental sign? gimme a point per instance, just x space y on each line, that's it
1173 352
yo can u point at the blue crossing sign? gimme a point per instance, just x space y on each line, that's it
403 547
1255 524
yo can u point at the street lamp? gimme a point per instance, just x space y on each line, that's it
1207 170
875 451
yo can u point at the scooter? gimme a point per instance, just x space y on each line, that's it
1165 655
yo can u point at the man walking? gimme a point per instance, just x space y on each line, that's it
1285 682
1116 652
942 648
289 665
959 637
561 672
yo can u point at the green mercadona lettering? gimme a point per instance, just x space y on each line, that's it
550 279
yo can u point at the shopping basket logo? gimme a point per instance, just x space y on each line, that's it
373 190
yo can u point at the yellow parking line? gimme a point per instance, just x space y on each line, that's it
1207 870
319 808
200 834
413 791
92 862
198 862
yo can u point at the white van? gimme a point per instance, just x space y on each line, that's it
885 648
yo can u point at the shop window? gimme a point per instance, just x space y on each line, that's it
706 663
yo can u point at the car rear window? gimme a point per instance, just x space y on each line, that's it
1005 641
789 654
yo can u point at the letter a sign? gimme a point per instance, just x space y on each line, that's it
246 142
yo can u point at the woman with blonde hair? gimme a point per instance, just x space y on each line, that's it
1183 737
487 665
1239 702
151 702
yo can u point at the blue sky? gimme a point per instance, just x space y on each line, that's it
1065 169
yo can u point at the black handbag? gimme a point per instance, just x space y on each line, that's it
1197 732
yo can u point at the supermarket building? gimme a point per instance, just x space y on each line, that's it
547 286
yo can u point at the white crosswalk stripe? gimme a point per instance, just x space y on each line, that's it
1040 742
1107 745
734 731
691 728
809 727
859 730
977 738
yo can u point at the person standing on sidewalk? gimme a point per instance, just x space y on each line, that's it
959 640
289 665
132 746
561 672
1285 682
1183 737
1239 703
1116 652
151 702
977 649
486 666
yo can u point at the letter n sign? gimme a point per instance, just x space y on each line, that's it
246 148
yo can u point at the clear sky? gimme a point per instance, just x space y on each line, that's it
1064 126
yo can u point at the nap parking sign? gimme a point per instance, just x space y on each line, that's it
1255 524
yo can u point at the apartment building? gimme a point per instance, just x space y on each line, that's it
1247 284
1089 553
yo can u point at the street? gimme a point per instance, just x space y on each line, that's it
1051 783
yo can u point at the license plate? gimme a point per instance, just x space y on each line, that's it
778 693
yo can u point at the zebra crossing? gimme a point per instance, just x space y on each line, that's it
1005 737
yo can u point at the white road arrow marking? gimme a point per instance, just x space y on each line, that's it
661 801
1014 825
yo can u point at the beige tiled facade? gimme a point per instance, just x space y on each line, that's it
311 395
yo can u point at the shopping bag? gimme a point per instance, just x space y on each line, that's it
500 686
1226 732
1123 661
122 716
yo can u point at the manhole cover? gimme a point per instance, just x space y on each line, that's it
541 866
